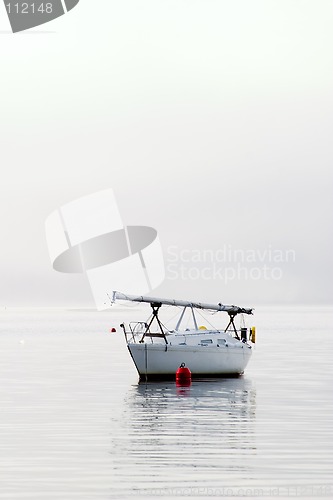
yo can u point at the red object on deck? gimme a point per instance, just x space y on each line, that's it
183 374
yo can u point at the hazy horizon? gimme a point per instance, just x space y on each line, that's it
211 121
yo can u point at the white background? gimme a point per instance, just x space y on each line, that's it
211 120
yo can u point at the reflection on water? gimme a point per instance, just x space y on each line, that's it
74 422
183 436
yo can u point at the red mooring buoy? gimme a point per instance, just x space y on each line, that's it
183 374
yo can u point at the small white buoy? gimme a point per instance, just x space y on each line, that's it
21 341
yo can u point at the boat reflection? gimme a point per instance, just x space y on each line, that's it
204 430
233 396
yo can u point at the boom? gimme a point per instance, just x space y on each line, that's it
182 303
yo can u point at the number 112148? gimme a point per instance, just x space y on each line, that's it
29 8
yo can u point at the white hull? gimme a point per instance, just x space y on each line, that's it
161 360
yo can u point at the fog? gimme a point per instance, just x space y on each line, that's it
212 123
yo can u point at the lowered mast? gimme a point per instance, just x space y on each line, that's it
182 303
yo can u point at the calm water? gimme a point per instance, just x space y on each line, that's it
75 423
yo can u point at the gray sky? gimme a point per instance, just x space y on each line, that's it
209 119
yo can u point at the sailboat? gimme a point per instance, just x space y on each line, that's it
158 351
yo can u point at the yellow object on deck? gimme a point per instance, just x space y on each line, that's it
253 334
202 327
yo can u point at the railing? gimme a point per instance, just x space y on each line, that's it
137 331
